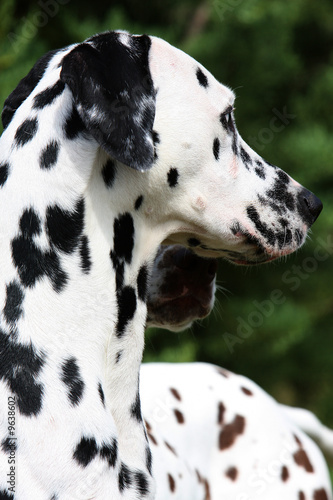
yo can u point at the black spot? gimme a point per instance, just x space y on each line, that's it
13 306
234 146
31 262
72 379
9 444
50 264
64 228
124 478
119 267
30 223
235 228
118 356
173 177
138 202
85 255
298 237
142 283
149 460
26 131
4 495
126 299
283 177
202 78
109 172
216 148
109 452
142 484
260 170
279 194
284 238
267 233
136 408
123 237
156 137
24 88
85 451
74 126
20 368
283 222
156 140
49 155
246 158
271 165
47 96
101 393
193 242
4 172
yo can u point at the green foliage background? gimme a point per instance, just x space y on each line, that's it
278 56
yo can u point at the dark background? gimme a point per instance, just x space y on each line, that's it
278 57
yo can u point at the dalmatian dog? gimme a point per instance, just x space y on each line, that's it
110 147
215 434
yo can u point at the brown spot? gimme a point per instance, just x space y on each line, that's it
232 473
320 494
222 372
149 433
230 432
207 490
298 441
284 474
175 393
220 413
302 459
301 495
247 391
179 416
148 426
205 484
151 438
172 483
170 448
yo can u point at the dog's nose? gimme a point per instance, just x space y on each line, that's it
309 206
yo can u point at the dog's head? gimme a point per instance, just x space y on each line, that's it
229 201
153 108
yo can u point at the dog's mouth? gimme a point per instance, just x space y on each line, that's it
185 291
250 249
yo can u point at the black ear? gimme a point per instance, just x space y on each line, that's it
24 88
113 92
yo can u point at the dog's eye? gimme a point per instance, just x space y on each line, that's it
227 118
230 116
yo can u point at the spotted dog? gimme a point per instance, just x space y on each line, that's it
105 154
215 434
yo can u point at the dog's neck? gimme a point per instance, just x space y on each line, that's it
83 288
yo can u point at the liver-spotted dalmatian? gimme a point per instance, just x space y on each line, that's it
110 147
215 434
